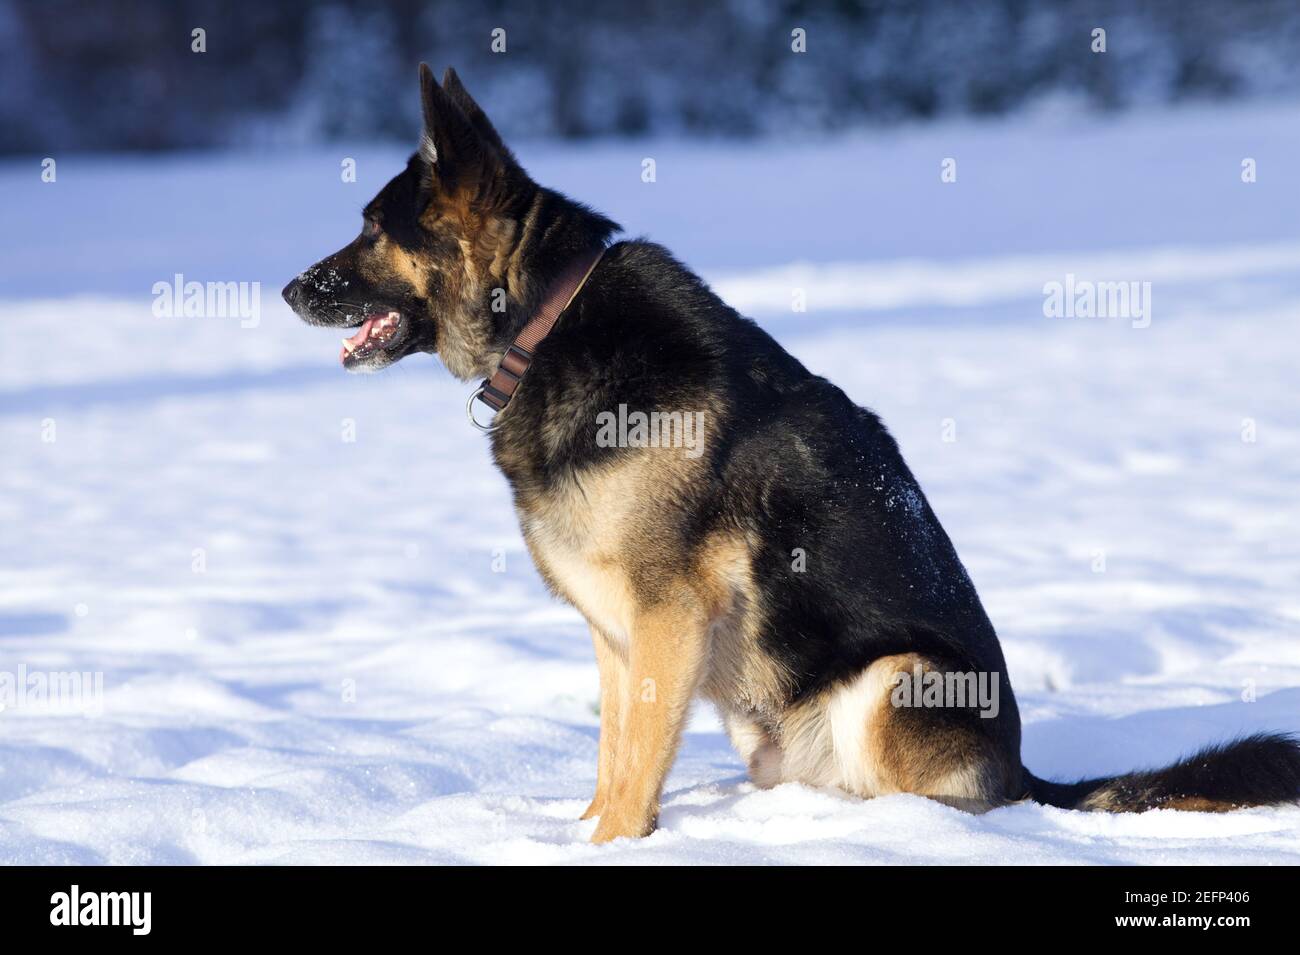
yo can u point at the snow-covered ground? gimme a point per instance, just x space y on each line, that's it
319 635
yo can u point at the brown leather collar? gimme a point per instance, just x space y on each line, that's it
497 391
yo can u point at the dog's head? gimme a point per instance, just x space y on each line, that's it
435 267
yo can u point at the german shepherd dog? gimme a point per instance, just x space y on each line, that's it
788 568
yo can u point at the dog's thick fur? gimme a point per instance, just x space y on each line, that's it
789 573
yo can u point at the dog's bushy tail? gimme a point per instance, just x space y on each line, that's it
1259 770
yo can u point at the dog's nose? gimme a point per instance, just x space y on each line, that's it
292 292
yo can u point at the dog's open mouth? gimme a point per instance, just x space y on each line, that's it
377 334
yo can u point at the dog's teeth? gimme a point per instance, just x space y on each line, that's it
394 316
348 346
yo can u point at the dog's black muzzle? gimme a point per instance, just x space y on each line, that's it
300 296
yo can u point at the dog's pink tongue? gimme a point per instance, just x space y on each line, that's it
357 340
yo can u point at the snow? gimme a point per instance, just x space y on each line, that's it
285 575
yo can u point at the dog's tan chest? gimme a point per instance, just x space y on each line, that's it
603 542
593 584
577 536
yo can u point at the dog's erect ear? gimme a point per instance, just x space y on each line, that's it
459 154
428 152
453 87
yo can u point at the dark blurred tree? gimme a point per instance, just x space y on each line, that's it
120 74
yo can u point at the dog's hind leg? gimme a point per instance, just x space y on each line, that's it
611 659
667 655
942 752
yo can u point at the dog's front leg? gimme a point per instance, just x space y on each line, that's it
667 655
612 662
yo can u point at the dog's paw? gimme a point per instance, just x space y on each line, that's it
614 826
